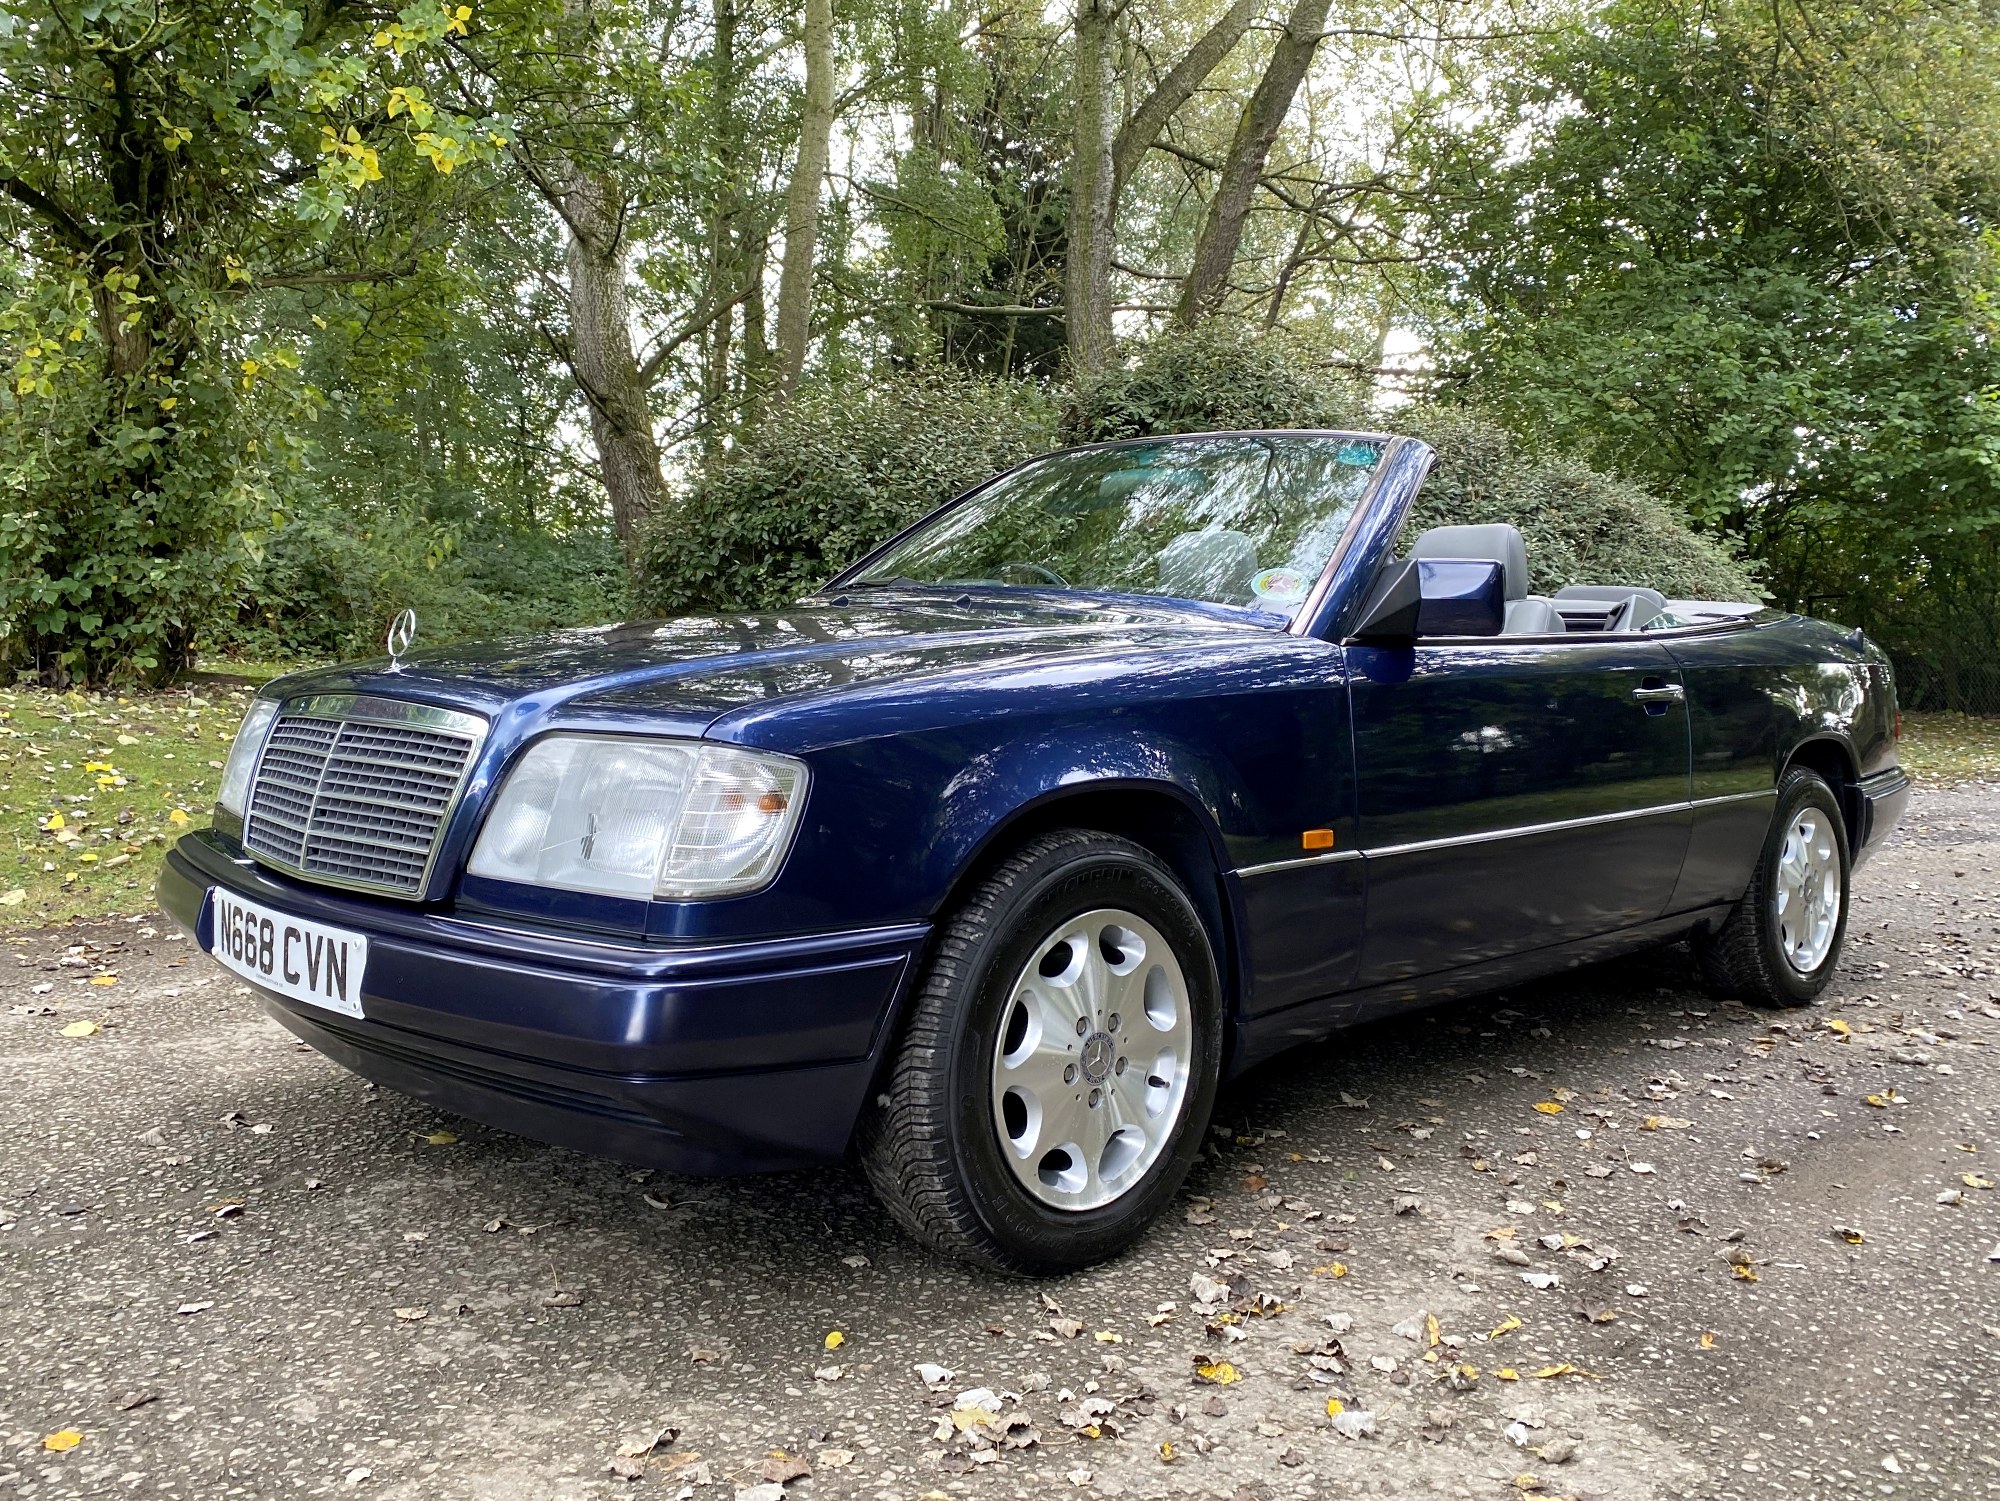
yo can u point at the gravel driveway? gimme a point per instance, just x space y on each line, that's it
1597 1237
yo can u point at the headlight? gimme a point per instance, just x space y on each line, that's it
243 754
622 816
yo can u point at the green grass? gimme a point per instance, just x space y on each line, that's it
1941 750
93 790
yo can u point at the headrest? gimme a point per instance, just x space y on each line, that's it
1496 542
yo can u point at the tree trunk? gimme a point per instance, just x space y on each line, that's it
1263 117
600 331
795 277
1137 135
1092 200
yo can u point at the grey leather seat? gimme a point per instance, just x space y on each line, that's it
1527 614
1214 565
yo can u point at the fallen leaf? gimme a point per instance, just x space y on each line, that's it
201 1307
834 1459
1743 1272
81 1029
1548 1107
441 1139
1506 1326
1354 1423
1975 1180
13 898
62 1441
1507 1373
1216 1372
1838 1027
1664 1123
835 1340
1707 1339
413 1315
780 1468
1849 1234
563 1297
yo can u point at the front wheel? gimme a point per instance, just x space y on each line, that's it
1781 942
1059 1063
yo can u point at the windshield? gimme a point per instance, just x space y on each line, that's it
1247 521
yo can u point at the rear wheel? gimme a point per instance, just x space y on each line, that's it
1058 1067
1781 942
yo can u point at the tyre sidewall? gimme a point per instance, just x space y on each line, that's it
1801 790
1039 1236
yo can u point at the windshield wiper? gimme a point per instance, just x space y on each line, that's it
899 581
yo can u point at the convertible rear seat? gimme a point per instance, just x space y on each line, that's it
1609 607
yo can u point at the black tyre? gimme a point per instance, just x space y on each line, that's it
1058 1064
1781 942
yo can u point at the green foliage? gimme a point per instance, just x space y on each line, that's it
833 473
158 172
1582 526
124 505
1215 377
1748 254
327 588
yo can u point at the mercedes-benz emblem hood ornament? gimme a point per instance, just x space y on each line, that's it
402 631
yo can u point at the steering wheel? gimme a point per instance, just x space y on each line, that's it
1035 571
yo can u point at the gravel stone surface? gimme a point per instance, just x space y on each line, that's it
1752 1254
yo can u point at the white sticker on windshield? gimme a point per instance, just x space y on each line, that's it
1279 586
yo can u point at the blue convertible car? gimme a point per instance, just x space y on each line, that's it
993 858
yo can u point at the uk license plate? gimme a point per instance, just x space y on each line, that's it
306 961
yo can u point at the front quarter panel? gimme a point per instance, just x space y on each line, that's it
1247 734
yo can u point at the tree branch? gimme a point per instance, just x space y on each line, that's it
72 229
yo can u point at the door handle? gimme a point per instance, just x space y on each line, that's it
1655 696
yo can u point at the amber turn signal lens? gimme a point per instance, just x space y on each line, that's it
1317 839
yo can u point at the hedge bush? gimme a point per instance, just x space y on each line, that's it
831 474
327 585
836 471
1212 378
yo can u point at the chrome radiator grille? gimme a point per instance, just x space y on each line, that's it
353 790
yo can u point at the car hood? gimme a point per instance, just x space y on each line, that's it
689 671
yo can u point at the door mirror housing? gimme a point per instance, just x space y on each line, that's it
1427 597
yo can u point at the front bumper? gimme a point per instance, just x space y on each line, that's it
721 1058
1883 798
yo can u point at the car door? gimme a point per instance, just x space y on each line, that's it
1512 795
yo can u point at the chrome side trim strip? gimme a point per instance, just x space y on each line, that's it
1329 858
1489 836
1734 797
1520 831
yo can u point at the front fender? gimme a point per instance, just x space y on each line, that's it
1014 782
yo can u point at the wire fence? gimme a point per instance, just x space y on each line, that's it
1946 679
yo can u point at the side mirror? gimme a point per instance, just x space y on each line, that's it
1424 597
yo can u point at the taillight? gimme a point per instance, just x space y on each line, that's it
1898 731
